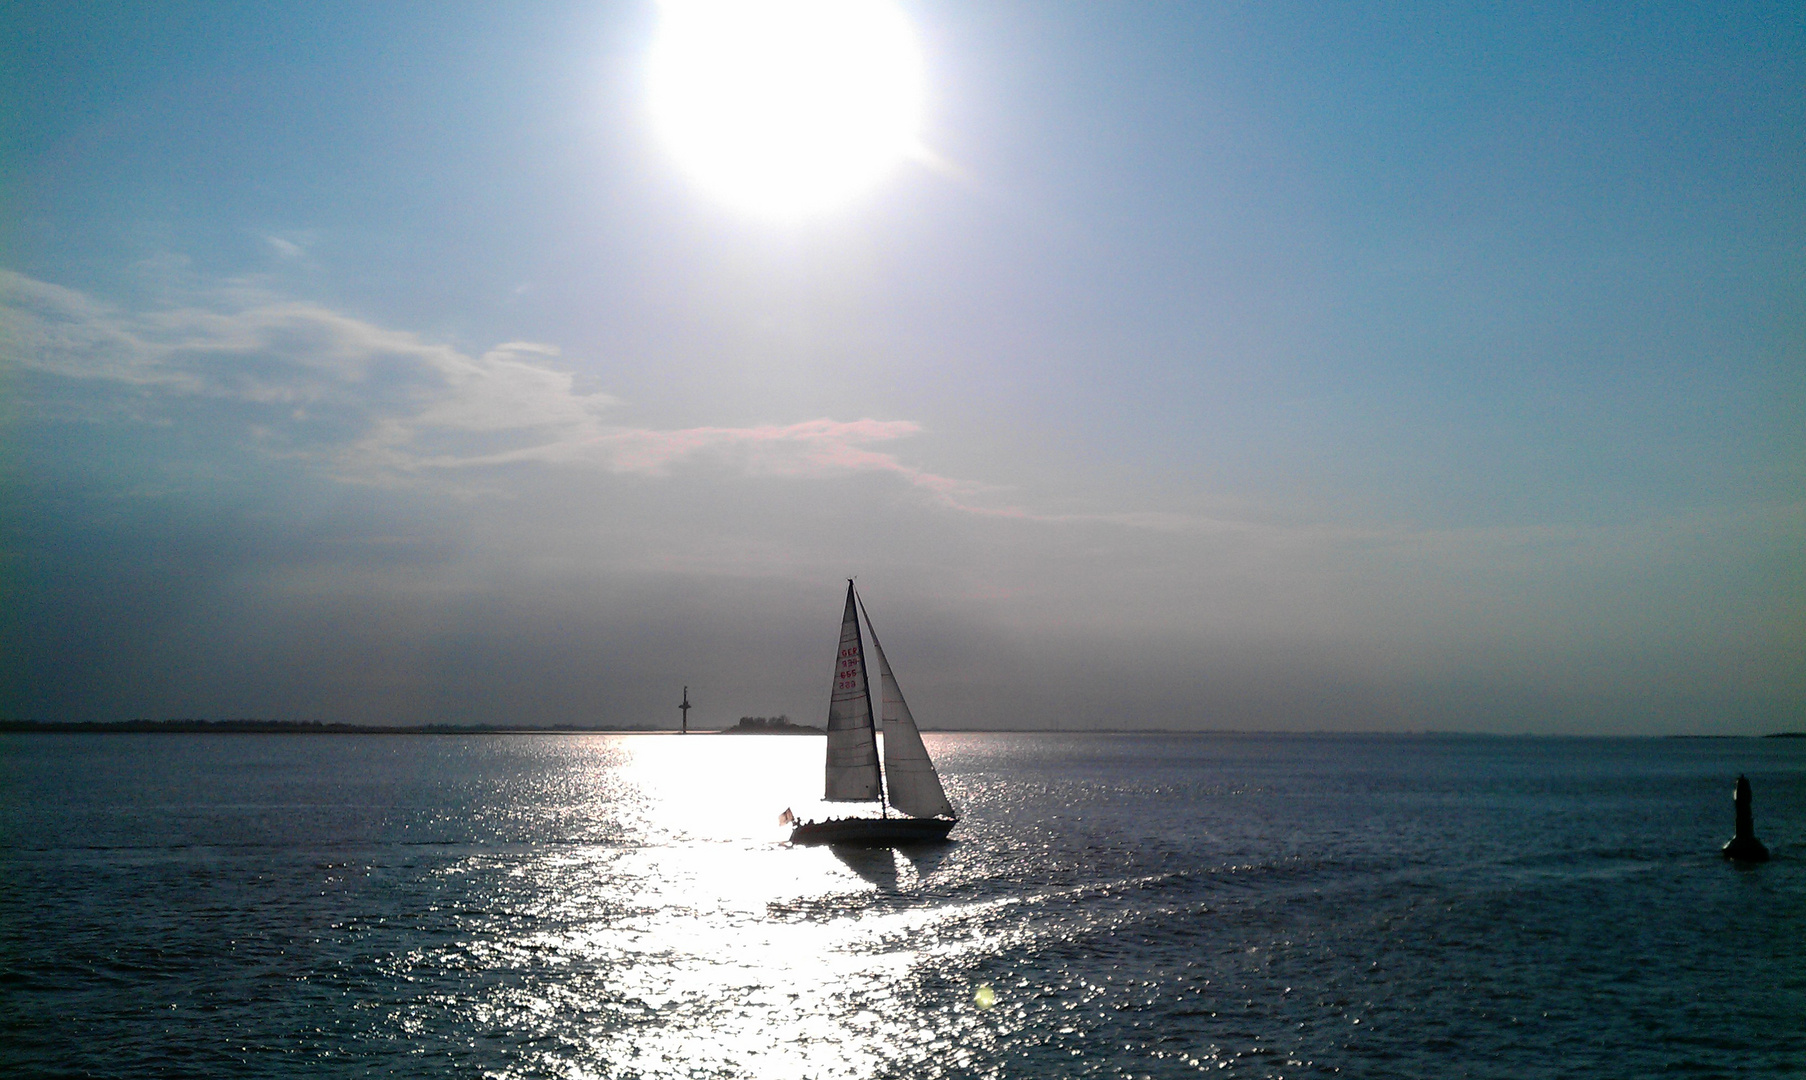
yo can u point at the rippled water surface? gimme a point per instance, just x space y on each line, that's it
625 906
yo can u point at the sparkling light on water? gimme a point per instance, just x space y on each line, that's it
627 906
725 952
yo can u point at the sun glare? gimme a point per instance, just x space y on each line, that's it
785 107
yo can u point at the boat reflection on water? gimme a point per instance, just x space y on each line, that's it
877 865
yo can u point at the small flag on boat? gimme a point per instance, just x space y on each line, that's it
786 817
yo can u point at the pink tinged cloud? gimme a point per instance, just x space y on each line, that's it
439 406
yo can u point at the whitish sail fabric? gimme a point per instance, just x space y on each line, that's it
852 744
914 786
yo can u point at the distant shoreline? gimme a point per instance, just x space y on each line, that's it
304 727
771 725
320 727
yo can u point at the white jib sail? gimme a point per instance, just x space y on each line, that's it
913 785
852 744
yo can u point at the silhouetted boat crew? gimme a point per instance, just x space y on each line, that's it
1744 847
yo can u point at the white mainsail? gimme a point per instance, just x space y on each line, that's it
912 784
852 744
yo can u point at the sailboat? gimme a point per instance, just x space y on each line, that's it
906 781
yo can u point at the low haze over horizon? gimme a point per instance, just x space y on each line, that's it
1275 367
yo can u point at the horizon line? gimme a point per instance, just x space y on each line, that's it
254 726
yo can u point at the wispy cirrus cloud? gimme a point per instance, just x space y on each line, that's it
367 402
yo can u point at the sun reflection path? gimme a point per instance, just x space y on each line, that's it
704 945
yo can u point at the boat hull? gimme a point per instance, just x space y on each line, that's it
873 832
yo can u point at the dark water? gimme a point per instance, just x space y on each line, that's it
623 906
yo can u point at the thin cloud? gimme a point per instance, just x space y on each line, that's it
284 248
370 402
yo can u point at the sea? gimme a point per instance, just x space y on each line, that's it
1122 905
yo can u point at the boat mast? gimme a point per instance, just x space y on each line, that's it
870 716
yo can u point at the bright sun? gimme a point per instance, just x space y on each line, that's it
783 107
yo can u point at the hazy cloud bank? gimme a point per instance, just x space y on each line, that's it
243 504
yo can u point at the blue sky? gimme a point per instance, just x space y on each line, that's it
1281 367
